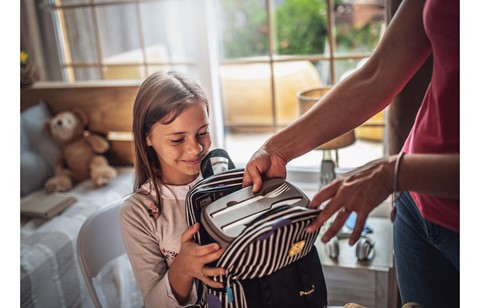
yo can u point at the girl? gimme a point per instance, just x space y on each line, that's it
171 136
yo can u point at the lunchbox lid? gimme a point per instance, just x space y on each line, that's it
227 217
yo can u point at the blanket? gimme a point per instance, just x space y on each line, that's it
49 269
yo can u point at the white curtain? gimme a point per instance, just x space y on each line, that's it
30 38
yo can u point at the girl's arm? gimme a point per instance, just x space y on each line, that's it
169 286
148 263
191 263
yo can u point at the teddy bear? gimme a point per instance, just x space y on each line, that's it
81 152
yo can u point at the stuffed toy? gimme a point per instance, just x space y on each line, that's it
81 155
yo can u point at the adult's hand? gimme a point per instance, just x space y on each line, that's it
264 164
359 191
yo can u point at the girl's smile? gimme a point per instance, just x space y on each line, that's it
181 145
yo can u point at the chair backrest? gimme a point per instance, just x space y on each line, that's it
99 242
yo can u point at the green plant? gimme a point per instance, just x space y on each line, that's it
301 27
244 28
363 39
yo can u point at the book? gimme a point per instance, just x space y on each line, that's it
46 205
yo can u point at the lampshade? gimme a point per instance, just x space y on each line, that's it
306 99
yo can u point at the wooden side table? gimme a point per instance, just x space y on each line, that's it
369 283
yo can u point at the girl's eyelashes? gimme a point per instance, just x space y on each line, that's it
199 135
203 134
176 141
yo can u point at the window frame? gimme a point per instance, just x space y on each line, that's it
207 62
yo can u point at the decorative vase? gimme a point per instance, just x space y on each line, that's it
29 73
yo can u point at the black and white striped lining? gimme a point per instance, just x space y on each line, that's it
230 180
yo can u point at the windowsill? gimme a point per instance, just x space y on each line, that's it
241 147
81 84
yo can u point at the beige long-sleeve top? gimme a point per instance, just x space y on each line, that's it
153 243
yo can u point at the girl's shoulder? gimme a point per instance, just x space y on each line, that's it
137 203
138 213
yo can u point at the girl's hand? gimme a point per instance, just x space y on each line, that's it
359 191
192 259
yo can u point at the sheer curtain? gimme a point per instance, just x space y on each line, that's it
37 38
30 39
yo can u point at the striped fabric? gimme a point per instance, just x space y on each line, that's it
268 244
205 192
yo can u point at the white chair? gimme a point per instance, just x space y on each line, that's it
99 242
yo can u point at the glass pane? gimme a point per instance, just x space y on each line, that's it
301 27
343 68
246 95
80 35
155 68
120 36
323 69
241 145
243 28
87 73
187 69
290 78
134 72
107 1
168 37
358 25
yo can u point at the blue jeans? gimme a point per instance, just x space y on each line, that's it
426 258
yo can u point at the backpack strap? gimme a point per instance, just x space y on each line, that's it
217 161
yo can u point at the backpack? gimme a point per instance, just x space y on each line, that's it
270 260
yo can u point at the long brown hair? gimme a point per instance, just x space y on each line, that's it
160 98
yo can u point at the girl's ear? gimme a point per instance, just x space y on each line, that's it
149 143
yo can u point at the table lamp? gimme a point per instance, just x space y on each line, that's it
306 99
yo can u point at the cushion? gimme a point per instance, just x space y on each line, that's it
38 152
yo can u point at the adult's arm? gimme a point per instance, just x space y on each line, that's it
366 187
400 53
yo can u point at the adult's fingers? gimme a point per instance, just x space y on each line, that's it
323 195
336 225
252 176
332 206
358 229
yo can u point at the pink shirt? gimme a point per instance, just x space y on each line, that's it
437 126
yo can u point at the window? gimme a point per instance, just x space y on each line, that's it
252 57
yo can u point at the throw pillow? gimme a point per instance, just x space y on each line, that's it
38 152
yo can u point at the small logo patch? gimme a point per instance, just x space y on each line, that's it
296 248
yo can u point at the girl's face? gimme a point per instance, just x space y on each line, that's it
181 145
